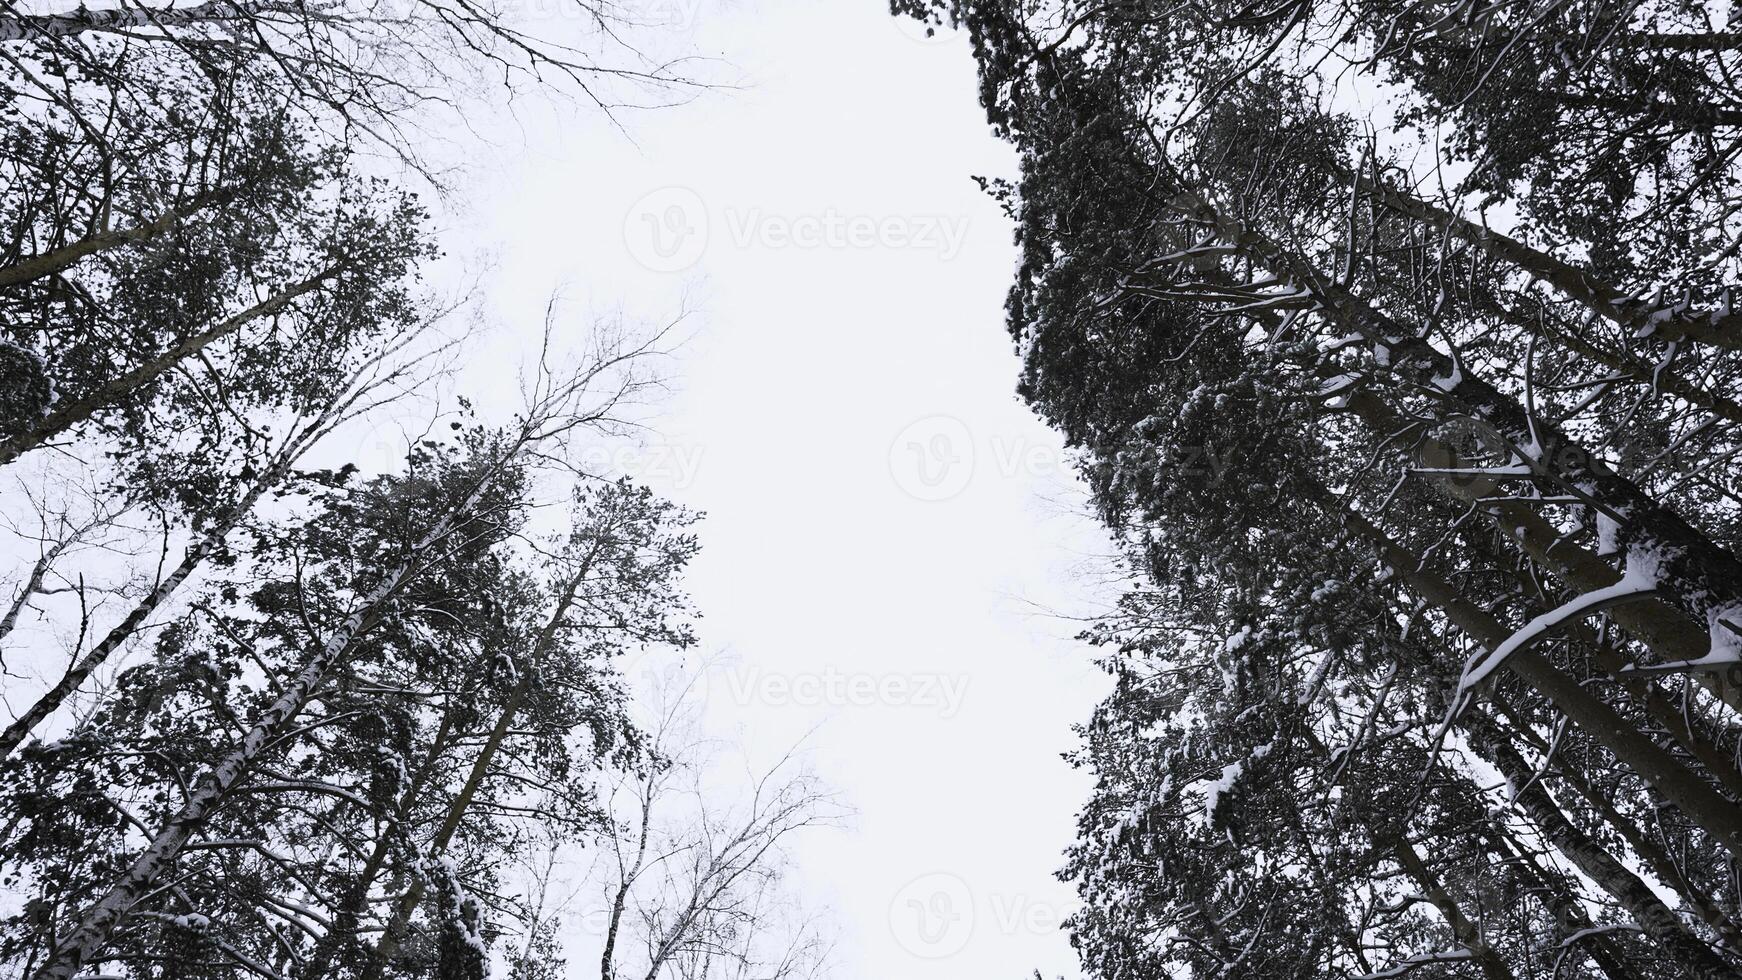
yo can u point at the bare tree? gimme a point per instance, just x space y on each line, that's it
694 885
63 530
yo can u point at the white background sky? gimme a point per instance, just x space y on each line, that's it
818 380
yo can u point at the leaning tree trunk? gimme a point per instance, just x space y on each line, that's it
1657 860
58 259
161 855
208 544
129 18
1693 796
1562 905
1705 576
1661 627
1691 956
78 410
394 933
355 903
1720 327
1463 930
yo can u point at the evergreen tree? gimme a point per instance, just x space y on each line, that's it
1414 500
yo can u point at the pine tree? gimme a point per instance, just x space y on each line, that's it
1413 500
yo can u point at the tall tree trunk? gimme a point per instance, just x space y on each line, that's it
462 801
356 902
1692 957
130 18
1654 857
209 543
620 894
1719 328
1703 575
1661 627
33 584
1717 763
1659 377
161 855
1463 930
1559 901
1695 798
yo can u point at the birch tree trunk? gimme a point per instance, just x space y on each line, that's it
161 854
130 18
207 544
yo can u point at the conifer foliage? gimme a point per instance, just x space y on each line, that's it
1398 343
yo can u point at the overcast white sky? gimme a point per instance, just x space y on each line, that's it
882 509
